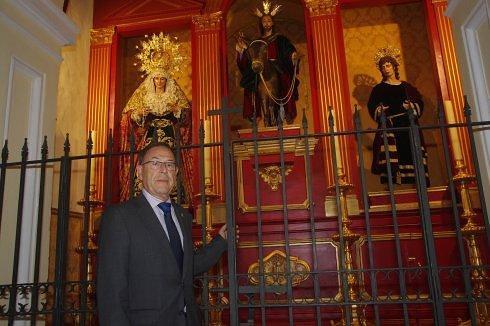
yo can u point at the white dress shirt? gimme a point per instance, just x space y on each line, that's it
153 201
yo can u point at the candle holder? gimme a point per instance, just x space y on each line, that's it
349 239
91 204
470 231
214 300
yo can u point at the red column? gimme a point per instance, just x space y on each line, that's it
98 95
328 70
441 35
207 86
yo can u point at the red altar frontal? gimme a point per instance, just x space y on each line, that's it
283 185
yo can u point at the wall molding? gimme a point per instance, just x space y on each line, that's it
452 5
55 55
50 18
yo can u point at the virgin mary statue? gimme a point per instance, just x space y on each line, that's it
158 107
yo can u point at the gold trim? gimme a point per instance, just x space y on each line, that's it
321 7
272 175
406 191
407 206
323 240
297 145
245 208
208 21
246 151
267 129
101 36
275 269
292 243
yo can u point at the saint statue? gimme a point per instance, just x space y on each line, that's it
269 66
395 97
157 107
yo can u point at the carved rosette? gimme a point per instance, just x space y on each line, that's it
207 21
101 35
321 7
272 175
275 269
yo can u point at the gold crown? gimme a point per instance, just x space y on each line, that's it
269 9
159 54
387 51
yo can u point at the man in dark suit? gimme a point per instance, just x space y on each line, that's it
146 259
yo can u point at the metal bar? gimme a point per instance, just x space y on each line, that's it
434 282
401 274
3 172
457 224
476 165
342 270
230 220
202 191
40 208
85 229
132 151
108 159
61 233
365 200
18 232
286 222
311 213
178 161
258 202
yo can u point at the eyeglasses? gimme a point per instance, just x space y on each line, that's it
157 165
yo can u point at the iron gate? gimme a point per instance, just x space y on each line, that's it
292 264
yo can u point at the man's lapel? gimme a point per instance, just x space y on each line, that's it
152 224
186 229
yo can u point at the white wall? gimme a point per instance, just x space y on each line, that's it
72 99
471 29
32 33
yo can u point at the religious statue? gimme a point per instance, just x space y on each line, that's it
394 97
269 66
157 106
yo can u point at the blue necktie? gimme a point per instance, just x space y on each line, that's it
173 234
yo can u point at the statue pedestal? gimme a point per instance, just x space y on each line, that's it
262 162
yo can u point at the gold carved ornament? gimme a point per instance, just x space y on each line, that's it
321 7
272 175
275 270
101 35
207 21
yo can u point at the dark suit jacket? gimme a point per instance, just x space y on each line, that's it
138 281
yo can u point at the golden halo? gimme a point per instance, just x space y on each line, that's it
159 53
269 9
387 51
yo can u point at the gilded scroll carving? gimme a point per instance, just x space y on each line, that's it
275 269
207 21
272 175
321 7
101 35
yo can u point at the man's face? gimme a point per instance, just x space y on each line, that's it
158 179
387 69
267 23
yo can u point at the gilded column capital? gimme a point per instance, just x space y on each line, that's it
321 7
207 21
100 36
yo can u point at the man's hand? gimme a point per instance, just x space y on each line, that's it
223 232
